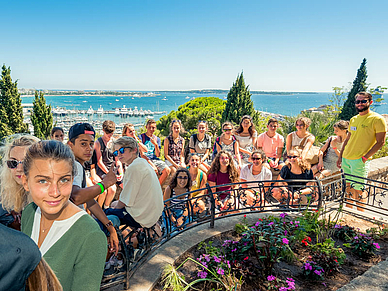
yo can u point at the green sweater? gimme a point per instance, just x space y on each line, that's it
78 257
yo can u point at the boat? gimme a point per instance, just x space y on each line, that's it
164 98
100 110
187 97
130 112
117 100
90 111
135 111
117 111
141 112
124 111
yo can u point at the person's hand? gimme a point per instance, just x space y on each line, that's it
339 162
113 240
120 177
154 140
320 166
16 216
109 179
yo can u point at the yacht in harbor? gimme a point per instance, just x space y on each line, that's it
117 111
100 110
135 111
164 98
124 111
90 111
130 112
141 112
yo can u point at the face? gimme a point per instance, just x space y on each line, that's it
182 179
273 126
176 128
246 123
202 128
17 154
58 135
82 147
151 128
49 183
299 125
125 155
293 157
363 103
227 129
108 135
224 160
338 131
194 161
130 132
256 159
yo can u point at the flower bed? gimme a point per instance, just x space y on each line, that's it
279 253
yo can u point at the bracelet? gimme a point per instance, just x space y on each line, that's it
364 159
334 148
102 187
109 224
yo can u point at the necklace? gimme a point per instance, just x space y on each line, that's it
43 229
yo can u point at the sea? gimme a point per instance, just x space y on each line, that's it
288 104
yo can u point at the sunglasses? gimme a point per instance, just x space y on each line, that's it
227 129
12 164
292 157
121 151
182 177
363 101
256 159
299 124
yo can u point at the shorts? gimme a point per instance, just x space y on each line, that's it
160 165
357 168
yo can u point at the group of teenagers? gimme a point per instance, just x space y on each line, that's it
45 186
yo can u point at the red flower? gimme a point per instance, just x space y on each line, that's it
260 219
245 216
246 258
309 239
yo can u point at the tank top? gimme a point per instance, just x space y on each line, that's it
296 140
107 157
177 203
175 149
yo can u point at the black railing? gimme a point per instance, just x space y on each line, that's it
210 204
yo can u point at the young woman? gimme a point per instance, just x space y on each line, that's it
13 196
227 142
70 240
199 179
328 164
246 136
295 138
177 207
295 168
174 146
201 143
223 171
57 133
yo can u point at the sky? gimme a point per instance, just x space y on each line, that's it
148 45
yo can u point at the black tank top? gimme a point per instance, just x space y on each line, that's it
107 158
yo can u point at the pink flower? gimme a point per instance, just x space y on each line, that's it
285 241
271 278
220 271
376 245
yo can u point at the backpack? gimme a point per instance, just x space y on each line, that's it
218 142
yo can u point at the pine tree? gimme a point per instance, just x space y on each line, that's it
11 103
4 129
359 85
41 116
239 102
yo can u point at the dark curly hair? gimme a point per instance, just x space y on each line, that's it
232 171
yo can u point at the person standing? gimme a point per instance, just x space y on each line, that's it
365 137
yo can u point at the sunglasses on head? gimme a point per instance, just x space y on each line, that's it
121 151
292 157
12 164
363 101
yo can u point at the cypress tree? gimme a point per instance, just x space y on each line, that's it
4 129
11 103
41 116
359 85
239 102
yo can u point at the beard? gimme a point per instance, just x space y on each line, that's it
362 109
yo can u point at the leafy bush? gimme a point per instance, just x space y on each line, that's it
363 245
312 271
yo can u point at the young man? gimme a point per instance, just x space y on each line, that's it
106 160
81 142
365 137
272 143
152 142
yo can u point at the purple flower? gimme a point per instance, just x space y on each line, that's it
285 232
269 224
283 289
376 245
202 274
204 264
318 272
228 263
235 249
217 260
356 237
220 271
207 258
282 215
337 226
291 222
285 241
257 223
271 278
307 266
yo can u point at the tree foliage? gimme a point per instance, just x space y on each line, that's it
203 108
41 117
239 103
11 112
359 85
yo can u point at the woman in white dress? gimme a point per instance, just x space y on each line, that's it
246 136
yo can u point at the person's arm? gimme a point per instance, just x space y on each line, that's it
93 174
182 164
380 140
154 141
97 211
100 163
254 139
237 153
339 161
142 147
310 142
81 195
323 149
289 142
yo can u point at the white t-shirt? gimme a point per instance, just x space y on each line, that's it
79 175
246 174
142 193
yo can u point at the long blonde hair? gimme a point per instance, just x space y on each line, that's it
43 279
12 195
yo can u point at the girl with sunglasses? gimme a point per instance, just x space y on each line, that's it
227 142
174 145
246 136
176 205
13 196
201 143
295 168
300 137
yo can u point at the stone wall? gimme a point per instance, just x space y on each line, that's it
379 169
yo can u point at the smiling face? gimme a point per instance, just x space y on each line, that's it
257 159
131 132
182 179
151 129
17 154
176 128
126 155
362 103
49 182
194 161
224 160
272 127
58 135
246 123
227 129
202 128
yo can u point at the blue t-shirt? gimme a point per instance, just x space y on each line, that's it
150 146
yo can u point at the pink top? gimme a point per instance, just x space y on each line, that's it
270 145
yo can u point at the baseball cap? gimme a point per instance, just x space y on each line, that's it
81 128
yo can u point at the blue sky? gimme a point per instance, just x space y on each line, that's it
180 45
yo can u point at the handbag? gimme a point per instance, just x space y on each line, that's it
327 148
312 155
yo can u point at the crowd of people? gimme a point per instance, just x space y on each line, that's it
48 188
